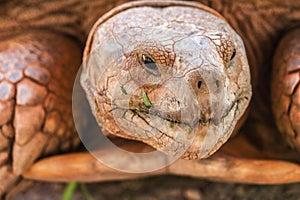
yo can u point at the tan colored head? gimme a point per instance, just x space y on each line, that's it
174 77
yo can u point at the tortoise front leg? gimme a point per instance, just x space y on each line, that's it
37 70
286 87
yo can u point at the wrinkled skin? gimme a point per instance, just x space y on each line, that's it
200 65
258 152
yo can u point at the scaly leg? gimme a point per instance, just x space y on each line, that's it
286 88
37 70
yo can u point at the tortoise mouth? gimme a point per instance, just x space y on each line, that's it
142 110
192 141
225 121
215 136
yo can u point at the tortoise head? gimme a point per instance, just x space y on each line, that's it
174 77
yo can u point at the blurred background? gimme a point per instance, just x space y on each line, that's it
166 188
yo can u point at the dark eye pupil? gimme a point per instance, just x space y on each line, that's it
147 60
149 63
233 54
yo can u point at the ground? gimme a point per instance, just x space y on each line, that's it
165 188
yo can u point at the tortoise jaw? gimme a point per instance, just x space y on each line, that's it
162 130
213 134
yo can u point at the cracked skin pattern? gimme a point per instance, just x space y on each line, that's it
49 24
203 70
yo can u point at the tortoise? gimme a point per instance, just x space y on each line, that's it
215 83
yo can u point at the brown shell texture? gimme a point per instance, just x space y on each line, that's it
41 45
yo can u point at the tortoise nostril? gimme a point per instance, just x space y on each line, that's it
199 84
217 83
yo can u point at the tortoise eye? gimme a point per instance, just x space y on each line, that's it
150 65
233 54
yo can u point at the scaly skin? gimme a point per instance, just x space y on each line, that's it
286 87
35 106
259 23
201 82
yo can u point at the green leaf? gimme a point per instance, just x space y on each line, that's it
85 192
69 191
147 102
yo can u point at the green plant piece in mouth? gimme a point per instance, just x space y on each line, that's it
171 124
146 100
